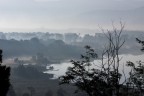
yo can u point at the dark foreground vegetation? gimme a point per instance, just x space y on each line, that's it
105 78
4 77
84 78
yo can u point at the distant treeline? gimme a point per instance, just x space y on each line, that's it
61 46
56 50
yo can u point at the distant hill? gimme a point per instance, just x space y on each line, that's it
61 50
55 50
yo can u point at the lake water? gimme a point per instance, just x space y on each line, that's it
60 69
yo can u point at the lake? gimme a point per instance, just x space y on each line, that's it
60 69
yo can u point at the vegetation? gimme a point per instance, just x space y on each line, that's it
103 79
59 47
4 77
136 80
91 79
29 72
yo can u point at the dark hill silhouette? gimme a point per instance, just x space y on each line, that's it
23 47
56 49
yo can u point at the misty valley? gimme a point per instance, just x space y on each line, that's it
71 47
38 59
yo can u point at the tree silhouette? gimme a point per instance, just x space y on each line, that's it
98 80
136 80
141 42
4 77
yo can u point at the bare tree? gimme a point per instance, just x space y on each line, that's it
111 63
98 79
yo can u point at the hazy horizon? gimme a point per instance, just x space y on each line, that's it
69 15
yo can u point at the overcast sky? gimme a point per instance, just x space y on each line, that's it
69 15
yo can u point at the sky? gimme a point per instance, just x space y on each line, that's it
69 15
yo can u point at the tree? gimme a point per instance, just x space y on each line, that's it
4 77
136 79
141 42
98 80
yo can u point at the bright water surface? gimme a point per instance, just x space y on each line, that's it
60 69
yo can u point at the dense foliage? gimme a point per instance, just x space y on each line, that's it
4 77
98 80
